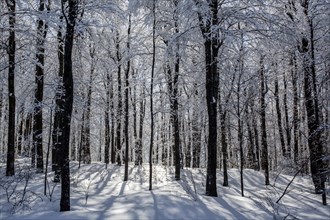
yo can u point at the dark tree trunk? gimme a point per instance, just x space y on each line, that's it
10 167
86 157
172 82
151 92
119 108
196 136
82 139
73 144
127 100
57 134
256 137
211 46
251 152
20 130
135 128
138 152
112 128
67 105
174 98
279 118
224 145
38 97
311 104
186 131
264 147
27 134
286 114
2 131
107 122
294 79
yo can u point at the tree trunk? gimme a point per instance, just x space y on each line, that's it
286 114
311 104
10 166
138 152
20 131
256 137
38 97
211 46
119 108
86 158
107 121
251 153
1 131
151 92
67 105
196 135
126 99
73 144
264 147
56 133
279 118
294 79
112 129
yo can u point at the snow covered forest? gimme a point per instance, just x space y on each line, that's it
164 109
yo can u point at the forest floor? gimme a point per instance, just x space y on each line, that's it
99 193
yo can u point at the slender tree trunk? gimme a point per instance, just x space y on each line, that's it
286 114
56 133
240 137
82 139
256 137
20 131
2 131
107 122
138 155
112 128
73 143
87 113
293 65
135 128
151 92
67 105
279 118
251 152
224 145
119 108
196 135
126 99
264 147
38 97
10 167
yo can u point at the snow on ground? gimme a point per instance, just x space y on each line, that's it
99 193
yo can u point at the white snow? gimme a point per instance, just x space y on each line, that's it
99 193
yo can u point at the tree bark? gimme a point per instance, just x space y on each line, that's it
264 147
119 107
126 98
67 104
286 116
87 112
294 79
138 152
107 122
56 133
151 92
10 166
279 118
38 96
211 46
196 133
